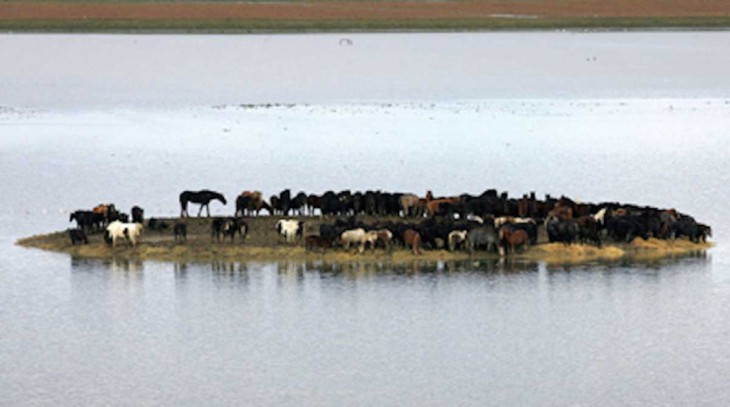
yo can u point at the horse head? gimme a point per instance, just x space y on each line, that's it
266 206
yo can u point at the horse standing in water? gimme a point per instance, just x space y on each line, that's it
199 197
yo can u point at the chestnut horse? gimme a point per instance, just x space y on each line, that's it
413 239
512 238
432 207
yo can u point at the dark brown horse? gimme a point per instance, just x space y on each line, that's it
137 214
560 212
313 202
199 197
251 203
588 230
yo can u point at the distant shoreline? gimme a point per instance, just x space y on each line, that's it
257 28
144 16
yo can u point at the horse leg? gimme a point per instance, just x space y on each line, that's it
207 209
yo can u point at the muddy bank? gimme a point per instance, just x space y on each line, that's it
264 244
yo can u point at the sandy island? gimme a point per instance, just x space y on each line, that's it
264 244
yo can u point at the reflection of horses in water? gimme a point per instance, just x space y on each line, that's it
199 197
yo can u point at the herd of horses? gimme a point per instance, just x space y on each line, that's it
105 217
490 221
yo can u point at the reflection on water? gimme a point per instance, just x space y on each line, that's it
297 270
239 327
363 269
690 260
293 271
113 264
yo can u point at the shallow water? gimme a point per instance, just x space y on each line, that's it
82 331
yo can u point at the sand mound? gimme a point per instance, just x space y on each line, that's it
563 252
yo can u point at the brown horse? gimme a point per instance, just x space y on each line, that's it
385 238
413 239
105 210
409 205
254 195
432 207
313 202
251 202
512 238
523 207
561 212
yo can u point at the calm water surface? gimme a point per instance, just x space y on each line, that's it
91 332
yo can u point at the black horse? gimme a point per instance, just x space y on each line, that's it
87 220
199 197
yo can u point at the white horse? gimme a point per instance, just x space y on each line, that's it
510 219
456 238
371 238
355 236
289 228
131 232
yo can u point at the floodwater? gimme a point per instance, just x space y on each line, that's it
136 119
